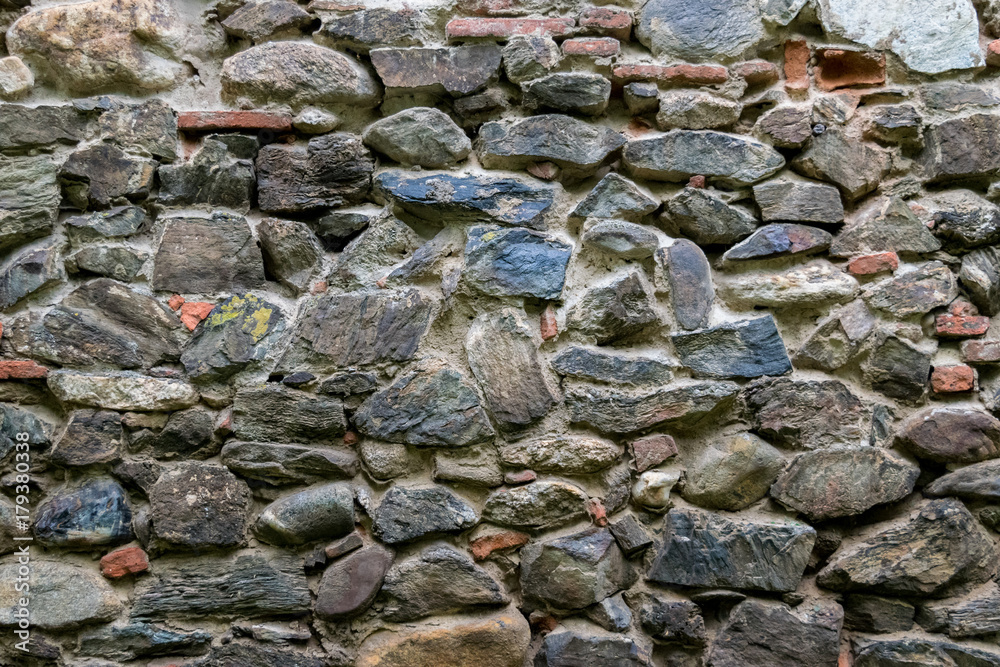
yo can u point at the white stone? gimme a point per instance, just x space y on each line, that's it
652 488
122 391
16 80
930 36
814 284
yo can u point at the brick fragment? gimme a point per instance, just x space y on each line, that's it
868 265
757 72
22 370
680 75
842 68
547 171
652 450
796 66
549 325
503 28
483 547
211 121
613 21
599 515
993 53
542 623
193 312
519 477
175 302
123 562
492 7
981 351
953 379
697 181
961 326
598 47
343 546
351 438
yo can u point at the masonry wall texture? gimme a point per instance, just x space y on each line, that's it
501 332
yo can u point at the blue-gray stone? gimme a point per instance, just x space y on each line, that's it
96 513
142 640
466 198
598 366
744 349
414 513
697 31
516 262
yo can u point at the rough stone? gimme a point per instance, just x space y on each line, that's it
574 92
581 148
132 641
349 586
516 262
318 513
980 276
288 464
278 413
419 136
568 647
886 225
972 617
96 513
71 595
921 652
728 159
605 367
961 147
837 338
620 238
570 455
213 177
798 201
674 30
869 613
785 127
616 197
207 255
535 506
772 633
237 332
29 199
527 57
575 571
406 514
475 466
711 550
615 310
942 546
855 167
696 110
92 436
682 407
963 220
261 19
814 284
951 435
291 252
915 292
122 391
188 434
979 481
690 279
104 175
109 261
467 198
331 170
200 505
707 219
612 614
898 369
780 240
805 414
455 71
745 349
298 74
733 473
373 27
29 271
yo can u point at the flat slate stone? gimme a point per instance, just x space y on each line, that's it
278 413
615 196
207 255
574 92
596 365
880 653
467 198
854 166
125 642
421 136
980 276
780 240
772 633
682 407
951 435
711 550
979 481
676 30
604 649
29 199
678 155
237 332
288 464
516 262
746 349
690 278
797 201
706 219
457 71
407 513
915 292
27 272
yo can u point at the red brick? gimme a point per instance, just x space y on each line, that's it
796 66
520 477
123 562
962 307
175 302
961 326
757 72
193 312
612 21
981 351
840 68
504 28
952 379
697 181
482 547
652 450
22 370
684 75
205 121
993 53
599 47
549 326
492 7
868 265
599 515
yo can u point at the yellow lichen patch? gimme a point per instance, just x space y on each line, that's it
256 323
230 310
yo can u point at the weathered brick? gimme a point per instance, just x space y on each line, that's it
502 28
213 121
482 547
796 66
651 450
22 370
492 7
612 21
549 325
867 265
757 72
598 515
517 477
600 47
993 53
193 312
841 68
981 351
123 562
961 326
681 75
953 379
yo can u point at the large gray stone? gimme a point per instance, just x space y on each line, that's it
798 201
780 240
619 238
412 513
829 484
63 596
288 464
238 332
259 19
104 175
349 586
29 199
605 367
837 338
914 292
681 407
298 74
979 481
729 159
291 252
897 368
923 652
887 225
516 262
29 271
420 136
732 473
275 413
962 147
92 436
213 177
943 546
745 349
207 255
574 92
95 513
707 219
456 71
930 38
772 633
536 506
319 513
690 279
198 505
615 196
974 616
122 391
567 647
951 435
569 455
980 276
854 166
711 550
431 405
722 30
23 127
615 310
814 284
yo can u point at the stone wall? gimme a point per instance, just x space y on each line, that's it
501 332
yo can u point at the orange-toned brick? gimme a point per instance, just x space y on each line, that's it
961 326
508 27
211 121
547 171
868 265
123 562
175 302
519 477
549 326
652 450
757 72
981 351
796 66
840 68
993 53
193 312
612 21
482 547
953 379
598 47
351 438
680 75
22 370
